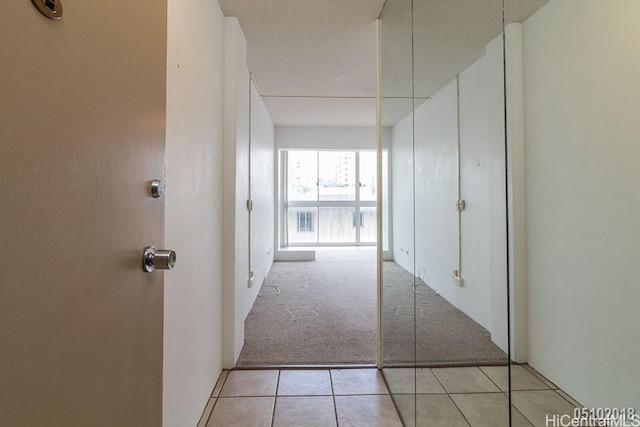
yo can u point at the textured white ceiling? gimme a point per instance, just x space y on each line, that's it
310 48
315 61
360 112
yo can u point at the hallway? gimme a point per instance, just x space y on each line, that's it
506 138
320 312
323 312
447 397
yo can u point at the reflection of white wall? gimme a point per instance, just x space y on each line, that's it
475 158
436 226
582 142
435 129
582 98
402 192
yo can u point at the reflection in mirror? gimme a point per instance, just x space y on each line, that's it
444 282
397 296
460 134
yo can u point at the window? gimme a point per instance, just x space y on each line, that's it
328 197
305 222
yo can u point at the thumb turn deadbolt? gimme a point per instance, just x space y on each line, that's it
161 259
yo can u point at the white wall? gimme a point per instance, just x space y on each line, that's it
262 193
582 98
193 223
236 190
351 138
242 123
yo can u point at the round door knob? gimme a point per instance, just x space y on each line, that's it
161 259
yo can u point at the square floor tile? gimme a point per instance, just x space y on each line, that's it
250 383
465 380
521 379
434 410
357 382
488 410
367 411
539 404
314 411
304 383
242 412
410 380
207 412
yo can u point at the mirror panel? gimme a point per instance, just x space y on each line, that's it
444 287
526 111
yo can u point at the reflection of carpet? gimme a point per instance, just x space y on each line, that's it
443 334
323 312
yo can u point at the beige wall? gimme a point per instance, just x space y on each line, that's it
82 131
193 290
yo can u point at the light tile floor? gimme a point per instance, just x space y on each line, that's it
448 397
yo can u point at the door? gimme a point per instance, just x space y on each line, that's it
82 132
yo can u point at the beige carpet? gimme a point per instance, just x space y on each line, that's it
323 312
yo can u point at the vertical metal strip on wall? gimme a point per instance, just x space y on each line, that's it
250 199
459 180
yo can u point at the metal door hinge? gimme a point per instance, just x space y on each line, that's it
460 205
249 205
